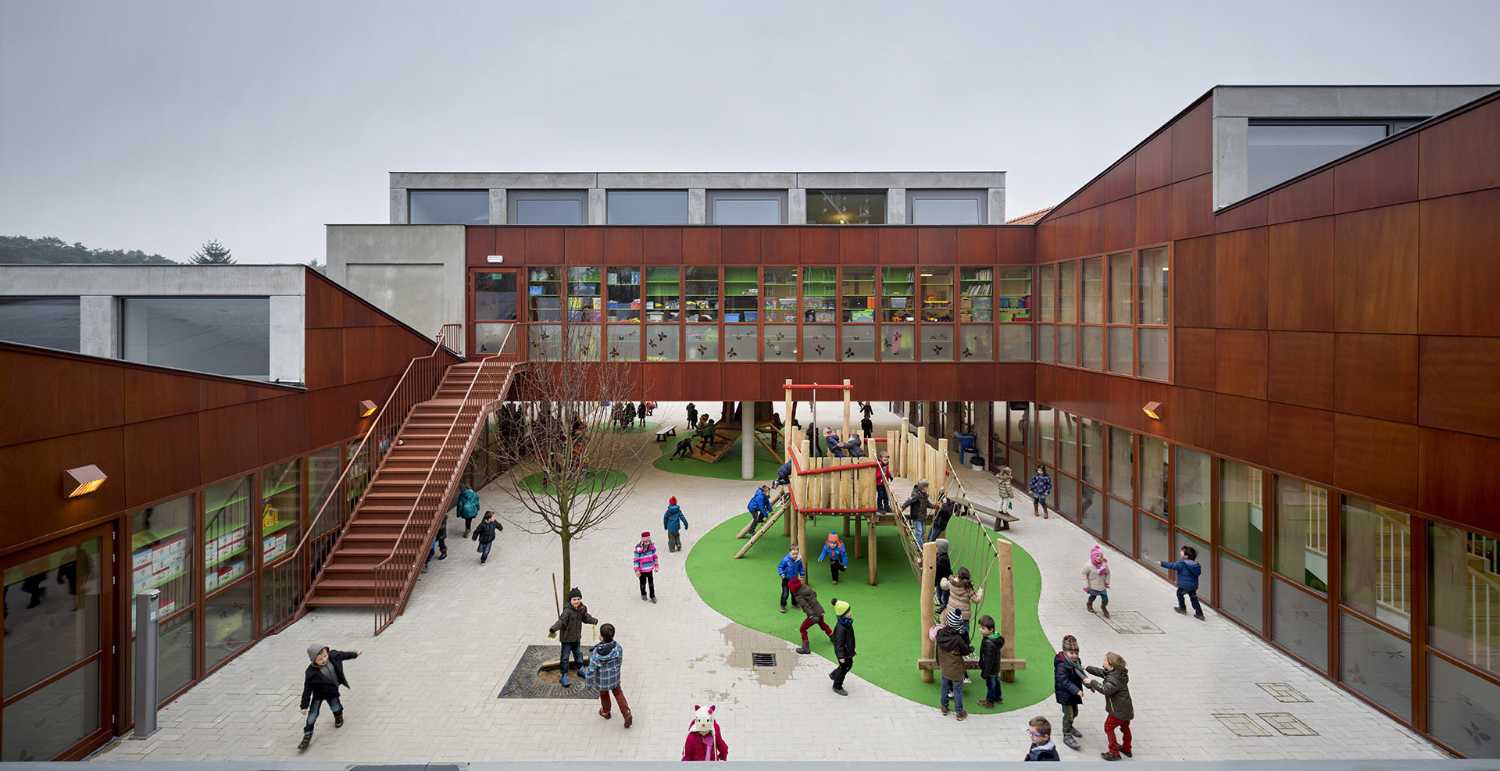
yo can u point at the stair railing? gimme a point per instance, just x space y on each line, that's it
394 575
288 581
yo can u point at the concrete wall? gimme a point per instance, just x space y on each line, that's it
413 272
1235 106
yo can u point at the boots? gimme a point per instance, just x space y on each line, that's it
306 740
338 720
628 718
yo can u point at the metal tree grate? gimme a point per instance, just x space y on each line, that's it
1284 693
762 659
1287 723
1241 724
1131 622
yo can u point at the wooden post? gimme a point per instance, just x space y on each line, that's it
786 424
845 434
924 609
1007 606
858 535
870 553
940 472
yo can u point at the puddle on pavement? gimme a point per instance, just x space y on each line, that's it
744 641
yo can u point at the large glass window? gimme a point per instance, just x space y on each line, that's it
1093 290
1067 435
1153 540
1463 571
624 342
228 623
1091 437
1194 511
1091 340
1065 496
544 294
323 469
663 294
1299 622
897 342
1240 591
1015 342
544 342
858 289
1376 557
846 207
702 294
937 342
663 342
226 532
280 509
1091 508
161 552
495 296
583 342
1120 295
1046 343
820 295
1067 304
1047 277
976 301
1375 664
1154 353
51 322
1301 533
975 342
741 341
547 207
1015 294
1241 513
897 294
584 302
781 342
937 294
945 207
1121 464
702 343
1154 475
448 207
1121 350
1047 436
223 335
49 630
781 295
624 294
741 295
747 207
1153 286
46 722
859 343
1067 344
819 342
1279 151
1121 531
647 207
1463 711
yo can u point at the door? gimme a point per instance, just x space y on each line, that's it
56 661
493 312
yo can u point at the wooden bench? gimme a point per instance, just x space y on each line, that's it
661 436
1002 521
1006 665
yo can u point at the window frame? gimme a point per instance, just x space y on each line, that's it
712 197
513 199
980 197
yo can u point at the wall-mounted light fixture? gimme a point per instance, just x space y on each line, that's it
1152 410
367 408
82 480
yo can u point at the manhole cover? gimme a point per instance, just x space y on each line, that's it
1130 622
537 676
1241 724
1287 723
1284 693
763 659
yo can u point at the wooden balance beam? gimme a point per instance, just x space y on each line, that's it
1006 665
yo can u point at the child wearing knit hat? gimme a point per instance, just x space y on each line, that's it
843 645
953 650
673 521
645 565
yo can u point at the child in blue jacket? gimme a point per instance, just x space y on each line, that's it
789 567
1188 571
836 554
760 507
673 521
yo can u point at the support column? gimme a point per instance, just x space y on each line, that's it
747 440
99 326
1007 606
924 609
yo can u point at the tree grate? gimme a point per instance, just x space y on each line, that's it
1287 724
1284 693
1241 724
762 659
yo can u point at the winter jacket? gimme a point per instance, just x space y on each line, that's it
705 746
834 448
882 474
943 566
962 595
645 557
1067 680
806 600
484 532
839 553
989 655
784 472
790 568
854 445
673 520
603 671
953 649
945 513
759 504
468 504
843 638
919 503
1041 485
569 625
1095 580
1115 685
315 682
1187 573
1047 751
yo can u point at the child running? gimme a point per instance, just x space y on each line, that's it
843 645
1096 580
806 600
484 533
321 683
568 628
836 554
1187 570
790 567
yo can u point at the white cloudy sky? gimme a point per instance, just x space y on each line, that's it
157 125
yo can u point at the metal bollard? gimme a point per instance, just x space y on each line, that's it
146 607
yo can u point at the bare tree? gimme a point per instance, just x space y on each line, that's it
564 435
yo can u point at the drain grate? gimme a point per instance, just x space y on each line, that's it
1287 723
1241 724
1131 622
1284 693
762 659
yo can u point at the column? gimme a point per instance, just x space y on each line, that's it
288 336
597 214
796 206
499 214
99 326
697 206
747 440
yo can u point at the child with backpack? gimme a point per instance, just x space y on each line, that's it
953 651
806 600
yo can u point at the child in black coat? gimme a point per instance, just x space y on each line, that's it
989 661
321 683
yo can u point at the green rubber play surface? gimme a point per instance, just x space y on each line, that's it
604 479
885 616
728 466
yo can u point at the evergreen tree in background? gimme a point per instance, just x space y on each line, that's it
212 253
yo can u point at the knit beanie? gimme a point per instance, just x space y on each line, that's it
575 593
840 608
314 650
955 619
672 501
645 533
794 584
942 545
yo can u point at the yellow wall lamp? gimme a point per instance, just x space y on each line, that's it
367 408
1152 410
83 480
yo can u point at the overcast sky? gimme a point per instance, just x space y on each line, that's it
155 126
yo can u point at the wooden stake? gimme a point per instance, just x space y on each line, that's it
871 554
845 434
924 609
1007 606
858 535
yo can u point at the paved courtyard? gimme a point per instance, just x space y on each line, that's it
426 689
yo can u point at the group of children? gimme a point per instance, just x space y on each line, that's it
793 571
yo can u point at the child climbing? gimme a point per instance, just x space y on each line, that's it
1067 688
944 568
806 601
759 507
1114 684
989 661
603 673
644 563
836 554
321 683
673 522
963 595
843 645
1096 580
916 506
953 650
705 741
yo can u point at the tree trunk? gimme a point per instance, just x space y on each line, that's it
565 533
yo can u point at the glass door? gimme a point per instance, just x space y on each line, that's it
493 309
54 667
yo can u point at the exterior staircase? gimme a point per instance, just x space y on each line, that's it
388 535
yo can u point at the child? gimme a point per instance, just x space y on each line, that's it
321 683
1006 493
1067 686
1115 685
944 569
1096 580
883 475
569 630
867 426
673 521
692 415
759 507
1042 748
806 600
603 673
704 740
989 661
843 645
439 546
468 507
1041 487
783 475
917 505
940 520
953 650
644 563
963 595
683 449
1188 571
834 548
788 568
484 533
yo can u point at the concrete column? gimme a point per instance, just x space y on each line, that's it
498 212
996 213
895 206
596 206
398 206
747 438
287 338
99 326
697 206
796 210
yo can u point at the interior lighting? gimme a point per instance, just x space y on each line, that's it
1152 410
367 408
82 480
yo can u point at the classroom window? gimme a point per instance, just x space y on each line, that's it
1120 295
1121 464
663 295
946 207
702 296
584 302
583 342
1376 557
1375 664
226 532
781 342
819 342
1046 343
1047 277
741 342
846 207
1153 286
1093 290
1091 439
1194 473
624 294
897 292
1015 294
544 294
859 343
547 207
1299 623
280 509
1015 342
1067 345
1121 350
781 295
1067 304
624 342
858 289
1154 476
544 342
1092 339
1463 587
896 342
1154 352
702 343
820 295
741 295
1301 533
976 343
228 623
663 342
1241 513
937 342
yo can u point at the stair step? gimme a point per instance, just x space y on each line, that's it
360 601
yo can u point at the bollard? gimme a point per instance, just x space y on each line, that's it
146 607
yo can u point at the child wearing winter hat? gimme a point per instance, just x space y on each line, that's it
1096 580
1067 683
1114 684
836 554
953 649
568 628
644 562
321 683
673 521
843 645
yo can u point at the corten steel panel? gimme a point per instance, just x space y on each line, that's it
1193 282
31 476
1087 197
1122 402
544 246
1191 415
1300 369
1240 427
1459 155
1193 142
864 377
282 427
1119 181
510 243
1375 270
1459 384
773 377
324 357
622 246
1300 292
1240 265
479 244
701 246
583 246
858 246
782 246
1016 381
663 246
332 413
1193 357
700 381
228 441
1015 245
152 394
48 396
162 458
976 382
1381 177
741 245
357 314
213 394
1153 162
1376 376
1119 225
1192 207
1300 441
1090 236
1460 272
1250 214
825 373
323 304
1241 363
937 246
1153 216
976 246
898 246
1458 479
1376 457
741 381
1304 199
820 243
366 355
1168 426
